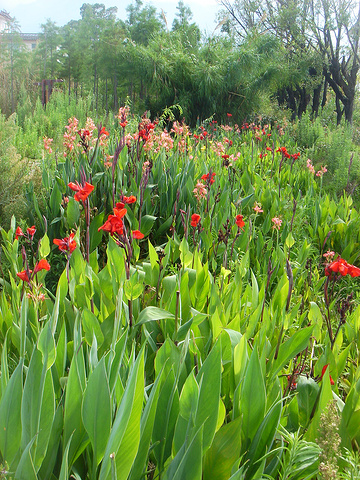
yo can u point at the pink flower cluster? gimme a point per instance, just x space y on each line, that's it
276 223
47 144
70 135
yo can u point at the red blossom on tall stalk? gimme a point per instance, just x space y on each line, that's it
27 275
128 200
343 267
82 191
239 221
18 233
137 234
195 219
206 177
66 244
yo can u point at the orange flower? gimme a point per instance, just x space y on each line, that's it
42 265
24 275
131 199
239 221
195 219
18 233
341 266
67 244
113 225
103 131
82 191
205 177
31 231
137 234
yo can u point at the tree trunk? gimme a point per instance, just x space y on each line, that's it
316 101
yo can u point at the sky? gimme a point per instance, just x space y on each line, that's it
30 14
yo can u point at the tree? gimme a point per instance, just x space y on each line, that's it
189 32
335 25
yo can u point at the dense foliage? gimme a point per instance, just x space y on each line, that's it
182 304
301 55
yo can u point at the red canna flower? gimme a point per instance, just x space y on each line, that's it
205 177
195 219
239 221
67 244
103 131
137 234
18 233
24 275
123 124
323 373
225 157
82 191
341 266
113 224
120 212
131 199
120 205
42 265
31 231
229 114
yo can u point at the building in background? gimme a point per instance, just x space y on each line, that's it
30 39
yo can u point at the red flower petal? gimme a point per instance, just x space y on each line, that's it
137 234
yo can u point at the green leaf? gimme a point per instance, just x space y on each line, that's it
64 471
25 468
96 410
146 428
46 345
124 438
44 248
10 420
72 213
187 464
149 314
264 438
91 326
224 452
73 425
294 345
147 222
95 235
209 380
37 408
252 399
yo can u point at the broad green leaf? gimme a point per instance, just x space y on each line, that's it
37 408
73 425
96 410
252 399
46 345
149 314
307 393
187 411
187 464
124 438
146 428
64 471
209 381
10 420
224 451
91 326
25 468
264 438
44 248
289 349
